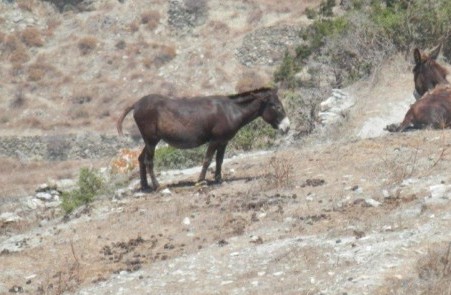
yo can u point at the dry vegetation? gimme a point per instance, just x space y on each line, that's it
73 72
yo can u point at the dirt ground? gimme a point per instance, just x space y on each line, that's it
350 209
311 218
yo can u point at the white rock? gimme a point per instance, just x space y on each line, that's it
439 191
9 217
166 192
372 202
43 186
44 196
65 184
186 221
120 193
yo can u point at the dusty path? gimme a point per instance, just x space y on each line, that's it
331 214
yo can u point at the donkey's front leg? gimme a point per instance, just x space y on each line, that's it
219 159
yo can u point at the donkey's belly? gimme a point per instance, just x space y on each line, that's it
185 142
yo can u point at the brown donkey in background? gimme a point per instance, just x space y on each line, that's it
187 123
433 94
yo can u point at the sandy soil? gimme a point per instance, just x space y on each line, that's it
319 216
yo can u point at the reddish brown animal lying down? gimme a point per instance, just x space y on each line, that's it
433 109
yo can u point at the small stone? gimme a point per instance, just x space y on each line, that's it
166 192
9 217
44 196
16 289
256 240
372 203
186 221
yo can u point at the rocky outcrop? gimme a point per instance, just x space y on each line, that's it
187 14
63 147
335 108
267 46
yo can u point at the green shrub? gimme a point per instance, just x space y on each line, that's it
310 13
89 185
286 71
315 35
326 6
418 23
167 157
256 135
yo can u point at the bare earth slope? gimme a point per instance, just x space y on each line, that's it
350 209
350 216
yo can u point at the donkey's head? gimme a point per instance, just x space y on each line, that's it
427 73
273 112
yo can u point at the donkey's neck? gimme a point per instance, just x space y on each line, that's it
249 110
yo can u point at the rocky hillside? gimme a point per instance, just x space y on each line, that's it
349 209
74 70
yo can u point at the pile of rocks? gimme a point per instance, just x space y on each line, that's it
267 46
334 109
63 147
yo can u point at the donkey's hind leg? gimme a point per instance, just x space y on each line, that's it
142 170
207 160
149 163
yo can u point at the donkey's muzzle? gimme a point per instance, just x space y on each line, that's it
284 125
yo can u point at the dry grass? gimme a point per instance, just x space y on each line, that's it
87 44
280 172
21 177
250 80
151 19
31 36
432 275
163 55
25 5
18 101
14 49
41 70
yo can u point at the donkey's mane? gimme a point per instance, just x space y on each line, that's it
263 89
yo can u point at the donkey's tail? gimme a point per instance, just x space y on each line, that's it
122 117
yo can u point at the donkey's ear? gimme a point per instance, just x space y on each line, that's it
417 56
434 53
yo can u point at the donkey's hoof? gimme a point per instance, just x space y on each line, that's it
392 127
201 183
146 189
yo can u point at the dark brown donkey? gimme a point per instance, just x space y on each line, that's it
427 73
187 123
433 94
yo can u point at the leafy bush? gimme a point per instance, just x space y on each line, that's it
63 5
326 6
318 32
32 37
418 23
87 44
256 135
286 71
351 46
168 157
89 185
